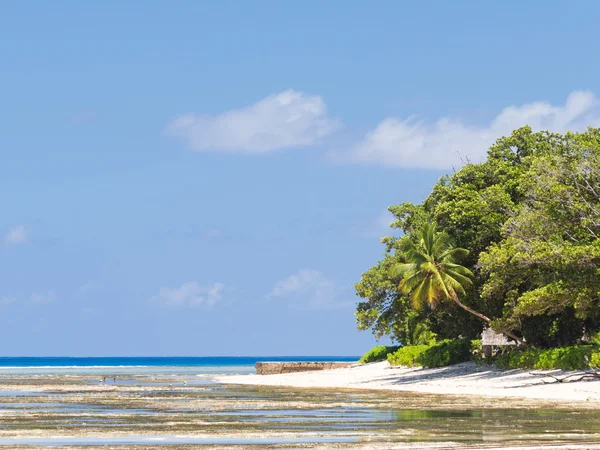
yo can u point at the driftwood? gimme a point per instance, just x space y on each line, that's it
589 374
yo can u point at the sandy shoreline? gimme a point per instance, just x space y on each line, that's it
461 379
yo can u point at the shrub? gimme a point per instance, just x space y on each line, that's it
407 356
565 358
595 359
446 353
476 345
378 353
443 353
476 352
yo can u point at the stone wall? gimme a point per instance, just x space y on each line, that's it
269 368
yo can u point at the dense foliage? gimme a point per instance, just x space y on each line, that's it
577 357
448 352
530 218
444 353
378 353
408 356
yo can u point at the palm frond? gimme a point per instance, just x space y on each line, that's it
420 294
430 272
428 238
411 281
460 278
399 270
454 254
457 267
453 285
433 294
441 244
439 280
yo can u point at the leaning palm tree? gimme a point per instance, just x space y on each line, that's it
431 273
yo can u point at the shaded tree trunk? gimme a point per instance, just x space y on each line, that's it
483 317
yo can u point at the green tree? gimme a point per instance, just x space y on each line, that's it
530 217
545 267
385 310
431 273
472 205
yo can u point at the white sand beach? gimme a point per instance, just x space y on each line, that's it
461 379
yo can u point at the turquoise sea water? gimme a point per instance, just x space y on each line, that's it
147 364
155 361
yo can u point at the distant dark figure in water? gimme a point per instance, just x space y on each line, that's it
114 379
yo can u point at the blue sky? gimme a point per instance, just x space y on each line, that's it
211 178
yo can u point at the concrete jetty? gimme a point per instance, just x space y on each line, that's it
270 368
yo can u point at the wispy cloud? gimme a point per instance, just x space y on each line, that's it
413 143
43 298
88 287
377 227
308 288
7 300
17 235
190 295
284 120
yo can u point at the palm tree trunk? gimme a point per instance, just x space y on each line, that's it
484 318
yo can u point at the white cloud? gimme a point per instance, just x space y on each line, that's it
189 295
411 143
284 120
43 298
17 235
308 288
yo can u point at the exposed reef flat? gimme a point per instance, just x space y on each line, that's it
188 411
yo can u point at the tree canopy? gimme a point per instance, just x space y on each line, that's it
529 215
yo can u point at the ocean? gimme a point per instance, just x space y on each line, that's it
146 364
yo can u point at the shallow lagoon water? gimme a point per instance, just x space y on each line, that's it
158 409
124 370
168 440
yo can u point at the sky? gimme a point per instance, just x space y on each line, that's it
212 178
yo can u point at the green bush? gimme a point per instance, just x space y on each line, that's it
407 356
565 358
476 352
446 353
443 353
378 353
450 352
595 359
